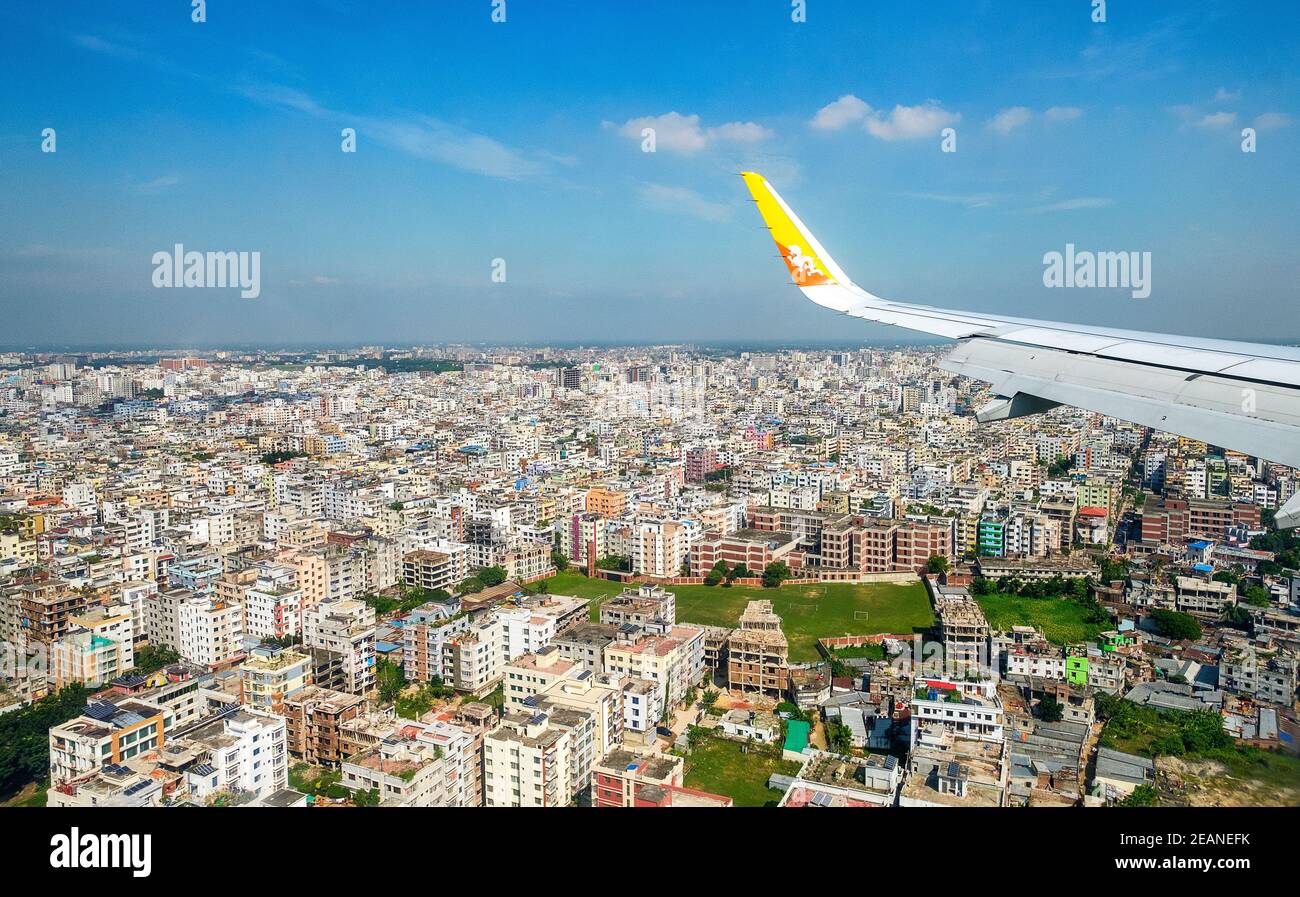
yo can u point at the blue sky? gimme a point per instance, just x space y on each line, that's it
479 140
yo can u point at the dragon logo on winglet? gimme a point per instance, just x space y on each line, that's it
803 268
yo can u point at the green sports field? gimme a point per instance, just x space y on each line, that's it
808 612
1060 620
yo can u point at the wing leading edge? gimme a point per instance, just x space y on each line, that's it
1242 396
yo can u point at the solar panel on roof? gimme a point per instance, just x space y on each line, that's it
101 710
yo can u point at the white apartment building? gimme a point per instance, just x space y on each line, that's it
472 661
523 630
527 762
531 674
246 751
959 708
273 603
211 630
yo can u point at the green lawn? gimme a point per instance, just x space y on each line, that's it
717 766
808 612
1060 620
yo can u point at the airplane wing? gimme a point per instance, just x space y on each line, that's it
1240 396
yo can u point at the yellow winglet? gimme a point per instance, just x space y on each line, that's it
809 264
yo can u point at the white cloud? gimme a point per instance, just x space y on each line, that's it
682 201
1193 117
740 132
1223 95
1217 120
1063 113
911 122
1007 120
684 134
844 111
969 200
158 184
1267 121
1083 202
421 136
429 138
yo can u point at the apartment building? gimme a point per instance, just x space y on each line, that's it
581 538
530 674
403 770
835 780
270 676
244 752
472 660
162 616
38 613
659 547
105 732
527 763
606 502
627 779
1262 674
97 648
342 633
969 709
672 661
641 606
272 603
600 697
428 569
314 720
424 637
1203 597
586 644
211 631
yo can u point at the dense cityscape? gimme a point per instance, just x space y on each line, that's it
644 576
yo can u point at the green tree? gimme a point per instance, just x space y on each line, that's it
936 563
390 680
1175 625
1142 796
368 798
717 574
25 736
1256 596
560 560
775 573
152 658
839 736
492 576
1050 709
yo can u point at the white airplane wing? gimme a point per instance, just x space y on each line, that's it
1240 396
